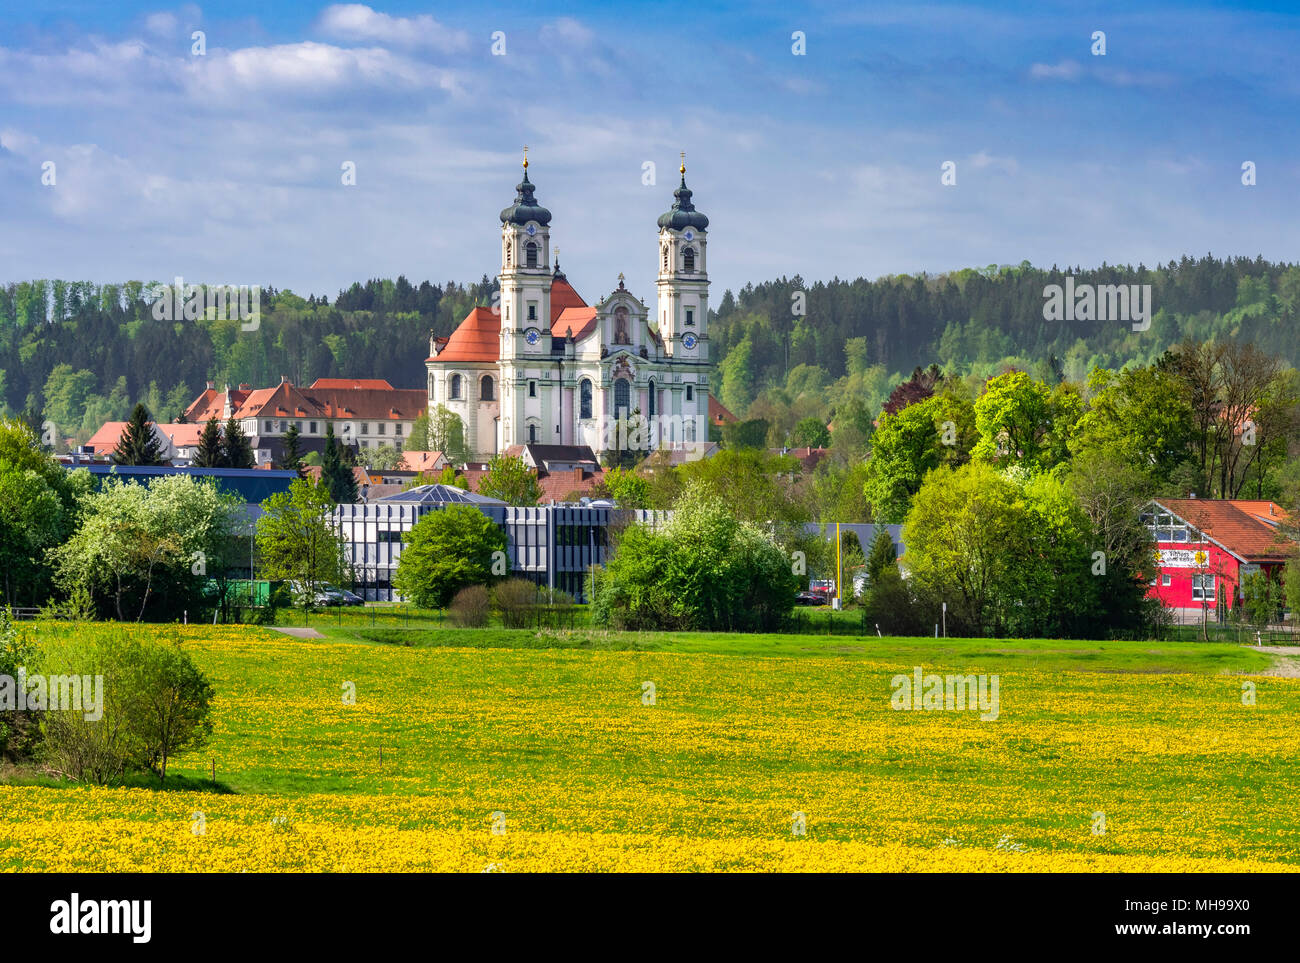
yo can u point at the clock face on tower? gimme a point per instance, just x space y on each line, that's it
530 230
689 235
689 341
531 335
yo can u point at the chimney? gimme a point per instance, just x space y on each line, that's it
212 386
245 387
284 379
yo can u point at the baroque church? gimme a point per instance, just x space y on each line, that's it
544 367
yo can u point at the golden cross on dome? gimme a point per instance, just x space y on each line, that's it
525 157
682 169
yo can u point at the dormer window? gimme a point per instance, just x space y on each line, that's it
688 260
530 254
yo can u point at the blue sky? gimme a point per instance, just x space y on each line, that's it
225 168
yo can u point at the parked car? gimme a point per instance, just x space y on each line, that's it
351 598
810 598
324 596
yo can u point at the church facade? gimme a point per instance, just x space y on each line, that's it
541 366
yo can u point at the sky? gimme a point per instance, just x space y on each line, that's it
226 166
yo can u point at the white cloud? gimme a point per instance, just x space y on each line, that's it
986 161
359 23
161 24
311 69
566 32
17 142
1065 70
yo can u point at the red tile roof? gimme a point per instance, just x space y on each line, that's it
477 338
580 321
1270 513
372 404
326 399
1239 531
718 414
371 383
422 460
563 297
181 436
211 404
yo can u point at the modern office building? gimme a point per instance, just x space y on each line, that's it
552 545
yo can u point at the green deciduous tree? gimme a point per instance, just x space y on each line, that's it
446 551
1139 415
1024 422
706 569
510 480
917 439
298 540
37 500
810 432
384 457
446 433
148 551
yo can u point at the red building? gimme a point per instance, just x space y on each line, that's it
1205 547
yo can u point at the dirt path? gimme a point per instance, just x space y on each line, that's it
1287 663
305 633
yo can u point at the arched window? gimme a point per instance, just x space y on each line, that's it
665 257
654 408
431 384
510 250
532 434
584 399
530 254
455 386
622 398
485 389
688 260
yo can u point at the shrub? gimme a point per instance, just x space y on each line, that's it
704 570
19 733
469 609
155 703
515 599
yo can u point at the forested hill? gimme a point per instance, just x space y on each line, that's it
982 320
82 353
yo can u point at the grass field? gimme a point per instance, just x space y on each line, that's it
549 730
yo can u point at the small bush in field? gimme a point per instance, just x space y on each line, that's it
515 599
469 609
